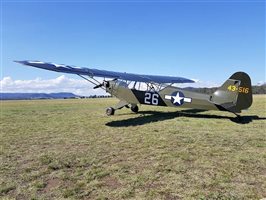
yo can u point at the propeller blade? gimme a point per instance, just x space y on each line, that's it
97 86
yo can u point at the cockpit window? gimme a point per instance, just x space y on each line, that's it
122 84
139 85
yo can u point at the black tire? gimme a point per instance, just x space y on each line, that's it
110 111
134 108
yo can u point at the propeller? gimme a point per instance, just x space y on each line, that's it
98 86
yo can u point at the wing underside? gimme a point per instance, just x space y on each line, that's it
105 74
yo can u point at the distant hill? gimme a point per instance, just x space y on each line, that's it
26 96
259 89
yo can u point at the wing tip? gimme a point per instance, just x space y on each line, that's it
17 61
23 62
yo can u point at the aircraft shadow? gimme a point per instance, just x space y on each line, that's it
146 117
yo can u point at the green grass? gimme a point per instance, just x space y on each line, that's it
57 149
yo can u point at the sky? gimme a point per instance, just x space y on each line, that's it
202 40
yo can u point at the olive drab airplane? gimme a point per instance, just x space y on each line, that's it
233 96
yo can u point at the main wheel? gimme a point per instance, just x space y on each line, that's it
110 111
134 108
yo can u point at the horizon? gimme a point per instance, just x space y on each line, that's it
88 94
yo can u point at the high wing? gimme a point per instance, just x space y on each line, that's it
105 74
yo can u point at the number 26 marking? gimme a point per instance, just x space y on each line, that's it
151 98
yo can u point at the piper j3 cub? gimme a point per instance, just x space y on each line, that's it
233 96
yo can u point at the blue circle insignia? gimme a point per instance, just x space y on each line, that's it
177 98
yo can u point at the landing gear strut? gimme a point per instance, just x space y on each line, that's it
110 111
238 117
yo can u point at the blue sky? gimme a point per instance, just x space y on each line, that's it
204 40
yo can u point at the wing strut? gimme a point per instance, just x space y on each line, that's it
96 84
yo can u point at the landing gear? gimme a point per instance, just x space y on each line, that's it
110 111
238 117
134 108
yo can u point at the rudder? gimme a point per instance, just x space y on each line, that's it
235 94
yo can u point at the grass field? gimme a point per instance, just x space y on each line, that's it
56 149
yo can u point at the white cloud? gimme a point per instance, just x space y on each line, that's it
59 84
199 84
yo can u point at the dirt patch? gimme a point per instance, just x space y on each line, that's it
111 182
51 183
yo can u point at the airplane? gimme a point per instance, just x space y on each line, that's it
233 96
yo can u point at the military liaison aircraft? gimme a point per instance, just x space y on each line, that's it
233 96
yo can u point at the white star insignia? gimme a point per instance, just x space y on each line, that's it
177 99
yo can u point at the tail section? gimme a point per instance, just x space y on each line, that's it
235 94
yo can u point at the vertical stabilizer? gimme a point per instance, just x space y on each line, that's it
235 94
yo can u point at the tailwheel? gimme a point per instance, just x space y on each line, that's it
239 118
110 111
134 108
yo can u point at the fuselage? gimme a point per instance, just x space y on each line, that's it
168 96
